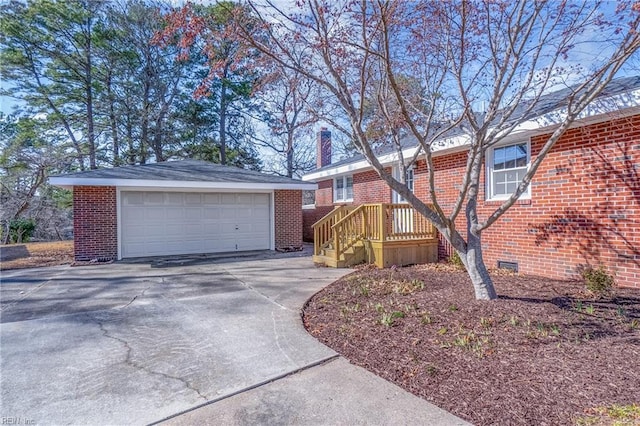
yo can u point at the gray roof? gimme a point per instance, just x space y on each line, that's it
544 105
177 171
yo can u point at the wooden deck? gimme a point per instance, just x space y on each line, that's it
383 234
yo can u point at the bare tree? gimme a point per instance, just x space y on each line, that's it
286 99
484 68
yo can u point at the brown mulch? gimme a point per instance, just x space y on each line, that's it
545 353
33 255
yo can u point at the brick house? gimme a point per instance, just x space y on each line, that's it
582 208
182 207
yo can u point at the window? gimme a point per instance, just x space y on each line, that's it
409 181
507 167
343 189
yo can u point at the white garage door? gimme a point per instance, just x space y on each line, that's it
164 223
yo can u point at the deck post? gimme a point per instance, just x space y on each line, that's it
383 221
336 246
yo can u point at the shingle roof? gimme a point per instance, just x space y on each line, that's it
544 105
177 171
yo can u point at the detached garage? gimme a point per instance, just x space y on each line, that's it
182 207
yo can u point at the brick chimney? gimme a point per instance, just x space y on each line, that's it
323 157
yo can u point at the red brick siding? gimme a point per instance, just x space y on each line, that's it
311 216
584 209
288 218
369 188
324 193
95 224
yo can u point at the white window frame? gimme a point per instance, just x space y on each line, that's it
490 172
397 172
343 195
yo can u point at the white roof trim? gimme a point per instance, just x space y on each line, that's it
69 182
385 160
622 104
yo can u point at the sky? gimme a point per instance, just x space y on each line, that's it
580 56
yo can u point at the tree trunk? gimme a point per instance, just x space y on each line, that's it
113 121
157 140
144 131
477 270
290 154
91 136
223 124
131 155
223 115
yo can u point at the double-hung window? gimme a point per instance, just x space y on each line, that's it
507 166
343 189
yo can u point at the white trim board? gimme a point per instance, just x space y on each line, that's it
69 182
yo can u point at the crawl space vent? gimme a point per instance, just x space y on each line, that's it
512 266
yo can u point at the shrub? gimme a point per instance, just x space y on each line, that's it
598 280
455 260
20 230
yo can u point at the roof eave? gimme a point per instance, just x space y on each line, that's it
70 182
621 104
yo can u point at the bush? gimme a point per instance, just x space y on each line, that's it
21 230
455 260
598 280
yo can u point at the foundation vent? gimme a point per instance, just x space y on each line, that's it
511 266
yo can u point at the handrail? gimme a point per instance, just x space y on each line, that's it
327 216
349 215
322 229
345 232
344 226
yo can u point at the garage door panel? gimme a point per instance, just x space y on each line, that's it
211 199
168 230
193 199
193 229
211 213
174 213
212 229
135 232
245 199
228 199
135 215
244 213
133 198
166 223
155 214
193 213
261 199
175 198
227 212
154 198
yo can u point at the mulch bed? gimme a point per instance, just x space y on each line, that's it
545 353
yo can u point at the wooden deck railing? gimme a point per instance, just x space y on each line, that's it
322 229
347 225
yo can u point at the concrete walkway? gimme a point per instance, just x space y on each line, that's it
131 344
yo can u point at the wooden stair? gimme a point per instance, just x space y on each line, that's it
384 234
352 256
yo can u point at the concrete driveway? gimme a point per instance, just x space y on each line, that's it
131 344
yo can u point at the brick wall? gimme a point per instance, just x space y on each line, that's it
369 188
95 231
311 216
584 208
288 219
324 193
